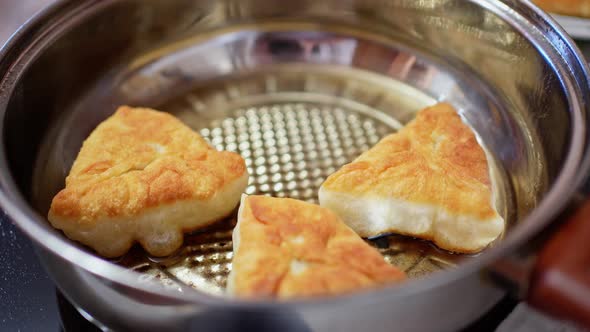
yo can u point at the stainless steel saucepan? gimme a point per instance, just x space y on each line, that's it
300 88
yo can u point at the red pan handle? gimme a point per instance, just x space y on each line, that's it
560 283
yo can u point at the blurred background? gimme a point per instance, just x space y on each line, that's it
13 13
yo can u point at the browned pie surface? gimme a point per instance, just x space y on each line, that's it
134 164
287 248
435 160
429 180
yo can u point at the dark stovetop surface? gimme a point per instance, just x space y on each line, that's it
28 301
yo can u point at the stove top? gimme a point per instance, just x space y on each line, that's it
28 295
30 301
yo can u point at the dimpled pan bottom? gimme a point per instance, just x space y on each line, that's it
294 129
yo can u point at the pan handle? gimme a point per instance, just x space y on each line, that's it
560 281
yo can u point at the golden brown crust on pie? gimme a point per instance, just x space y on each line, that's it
429 180
435 159
137 161
288 248
566 7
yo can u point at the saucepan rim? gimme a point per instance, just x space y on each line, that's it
38 32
